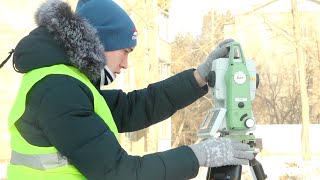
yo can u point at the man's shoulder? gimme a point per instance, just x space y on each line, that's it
59 85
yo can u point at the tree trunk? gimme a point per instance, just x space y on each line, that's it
302 82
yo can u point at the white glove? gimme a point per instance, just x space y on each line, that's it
220 51
215 152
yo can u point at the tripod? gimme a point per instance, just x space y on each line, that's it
234 172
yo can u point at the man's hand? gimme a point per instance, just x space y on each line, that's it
217 152
220 51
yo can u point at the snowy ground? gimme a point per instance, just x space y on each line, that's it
3 171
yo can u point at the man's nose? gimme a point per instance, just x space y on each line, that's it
124 63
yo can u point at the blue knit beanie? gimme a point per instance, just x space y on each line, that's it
114 26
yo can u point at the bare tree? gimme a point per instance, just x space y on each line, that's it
277 98
302 83
304 80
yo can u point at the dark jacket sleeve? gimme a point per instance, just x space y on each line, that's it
141 108
67 118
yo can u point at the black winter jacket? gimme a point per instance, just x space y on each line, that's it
59 109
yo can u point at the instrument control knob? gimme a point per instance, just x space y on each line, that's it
249 123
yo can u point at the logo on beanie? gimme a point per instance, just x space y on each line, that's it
135 34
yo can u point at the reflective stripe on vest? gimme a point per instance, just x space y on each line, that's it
39 161
47 158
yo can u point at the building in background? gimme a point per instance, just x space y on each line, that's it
149 63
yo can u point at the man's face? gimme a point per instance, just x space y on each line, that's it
117 60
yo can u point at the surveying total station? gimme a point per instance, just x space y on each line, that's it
233 82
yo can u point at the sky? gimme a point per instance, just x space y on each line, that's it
186 16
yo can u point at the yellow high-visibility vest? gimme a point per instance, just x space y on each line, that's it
33 162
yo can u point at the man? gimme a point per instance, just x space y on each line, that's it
64 127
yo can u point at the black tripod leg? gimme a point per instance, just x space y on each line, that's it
209 177
257 170
225 173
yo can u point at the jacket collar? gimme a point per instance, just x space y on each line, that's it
78 37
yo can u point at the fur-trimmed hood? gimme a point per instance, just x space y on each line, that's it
62 37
